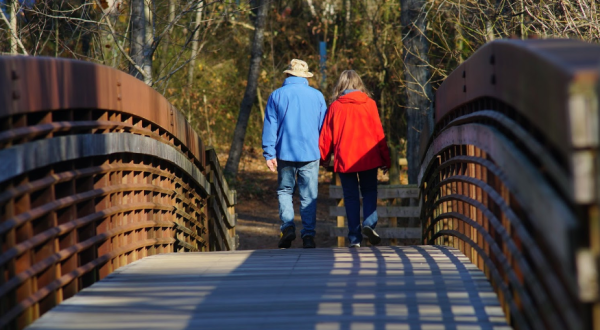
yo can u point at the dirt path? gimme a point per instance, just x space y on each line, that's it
258 209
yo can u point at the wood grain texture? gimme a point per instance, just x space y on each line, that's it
414 287
382 211
389 232
383 191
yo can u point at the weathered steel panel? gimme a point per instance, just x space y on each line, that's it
38 84
97 170
532 76
510 176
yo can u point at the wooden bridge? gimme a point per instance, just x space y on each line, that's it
103 184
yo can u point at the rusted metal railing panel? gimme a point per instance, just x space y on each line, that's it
97 170
40 84
533 76
510 177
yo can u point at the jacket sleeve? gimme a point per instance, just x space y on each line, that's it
269 134
384 151
326 137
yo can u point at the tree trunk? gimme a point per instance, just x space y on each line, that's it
370 7
12 10
416 74
167 39
141 40
311 6
195 44
239 134
11 23
347 22
8 10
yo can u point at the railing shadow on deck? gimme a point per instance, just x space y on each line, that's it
510 177
324 289
97 170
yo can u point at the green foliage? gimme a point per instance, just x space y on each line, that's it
365 37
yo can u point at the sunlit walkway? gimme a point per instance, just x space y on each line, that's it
417 287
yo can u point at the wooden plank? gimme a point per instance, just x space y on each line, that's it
413 287
384 232
216 169
341 221
215 188
221 229
383 191
382 211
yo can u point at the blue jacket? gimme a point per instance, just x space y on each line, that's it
293 120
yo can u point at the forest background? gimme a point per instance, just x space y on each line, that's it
198 53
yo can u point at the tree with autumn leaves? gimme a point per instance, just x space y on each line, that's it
218 60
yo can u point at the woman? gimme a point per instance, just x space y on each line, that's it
352 131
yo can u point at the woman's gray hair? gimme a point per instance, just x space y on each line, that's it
349 79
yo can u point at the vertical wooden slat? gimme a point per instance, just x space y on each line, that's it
594 238
341 241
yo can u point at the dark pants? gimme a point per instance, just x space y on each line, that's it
368 187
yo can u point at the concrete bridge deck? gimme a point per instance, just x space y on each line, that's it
388 288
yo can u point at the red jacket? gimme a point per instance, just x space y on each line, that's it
352 131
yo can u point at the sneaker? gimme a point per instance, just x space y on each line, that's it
308 242
287 236
357 245
374 238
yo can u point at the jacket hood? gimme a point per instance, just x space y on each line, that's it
353 97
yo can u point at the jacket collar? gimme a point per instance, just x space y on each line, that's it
295 80
353 97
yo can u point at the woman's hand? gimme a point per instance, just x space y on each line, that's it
385 169
325 163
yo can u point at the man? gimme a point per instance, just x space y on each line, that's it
293 120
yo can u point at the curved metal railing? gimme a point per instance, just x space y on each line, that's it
510 176
97 170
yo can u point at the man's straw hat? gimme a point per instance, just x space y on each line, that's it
298 68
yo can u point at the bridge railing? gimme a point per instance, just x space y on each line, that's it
221 205
510 177
387 227
97 170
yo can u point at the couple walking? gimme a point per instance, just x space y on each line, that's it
299 133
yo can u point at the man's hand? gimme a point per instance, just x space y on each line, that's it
272 164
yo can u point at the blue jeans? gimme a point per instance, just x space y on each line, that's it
308 186
368 188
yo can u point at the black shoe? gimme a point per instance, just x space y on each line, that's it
287 236
374 238
308 242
